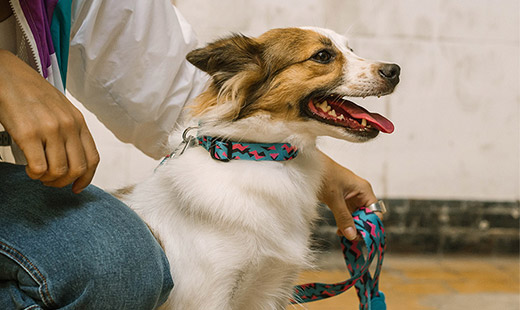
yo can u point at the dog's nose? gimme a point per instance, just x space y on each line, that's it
390 72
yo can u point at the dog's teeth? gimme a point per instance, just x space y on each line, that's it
341 117
327 106
333 113
324 106
363 122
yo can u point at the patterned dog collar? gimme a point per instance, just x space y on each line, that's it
225 150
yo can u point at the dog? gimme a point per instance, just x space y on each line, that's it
237 232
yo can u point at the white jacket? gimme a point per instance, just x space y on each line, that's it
127 65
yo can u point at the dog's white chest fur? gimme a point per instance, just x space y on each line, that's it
235 233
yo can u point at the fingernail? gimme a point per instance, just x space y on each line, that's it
350 233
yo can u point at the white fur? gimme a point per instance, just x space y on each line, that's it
360 77
236 233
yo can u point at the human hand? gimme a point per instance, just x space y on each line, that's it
47 127
344 192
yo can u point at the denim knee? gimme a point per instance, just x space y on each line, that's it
64 251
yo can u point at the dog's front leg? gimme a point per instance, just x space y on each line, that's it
269 288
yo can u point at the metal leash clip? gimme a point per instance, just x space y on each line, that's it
187 141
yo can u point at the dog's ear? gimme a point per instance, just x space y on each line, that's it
226 57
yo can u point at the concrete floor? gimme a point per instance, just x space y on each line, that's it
429 283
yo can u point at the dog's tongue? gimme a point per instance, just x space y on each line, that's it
375 119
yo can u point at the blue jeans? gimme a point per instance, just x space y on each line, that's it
59 250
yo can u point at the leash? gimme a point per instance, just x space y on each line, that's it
371 229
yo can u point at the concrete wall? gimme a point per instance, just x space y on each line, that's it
456 110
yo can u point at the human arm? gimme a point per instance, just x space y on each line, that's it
49 130
344 192
127 65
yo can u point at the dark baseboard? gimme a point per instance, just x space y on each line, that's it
441 227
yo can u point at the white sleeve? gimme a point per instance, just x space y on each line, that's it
127 65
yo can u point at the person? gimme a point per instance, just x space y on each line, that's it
65 244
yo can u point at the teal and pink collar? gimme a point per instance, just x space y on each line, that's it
225 150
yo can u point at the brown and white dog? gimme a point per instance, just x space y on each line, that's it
237 233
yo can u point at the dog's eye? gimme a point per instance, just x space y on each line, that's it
323 57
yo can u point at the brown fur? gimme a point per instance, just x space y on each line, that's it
261 74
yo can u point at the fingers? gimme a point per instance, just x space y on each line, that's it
66 161
72 161
35 156
46 126
91 160
345 192
343 217
61 153
359 194
57 165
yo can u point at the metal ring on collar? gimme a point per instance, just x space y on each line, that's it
185 136
378 206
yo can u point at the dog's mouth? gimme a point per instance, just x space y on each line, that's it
336 111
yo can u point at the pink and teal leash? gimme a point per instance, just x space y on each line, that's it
371 229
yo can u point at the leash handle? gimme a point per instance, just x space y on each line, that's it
371 229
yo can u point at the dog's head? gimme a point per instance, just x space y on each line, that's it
299 76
